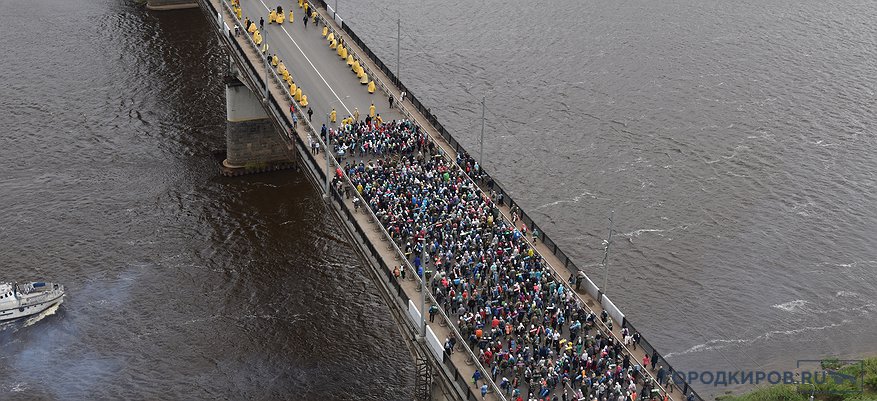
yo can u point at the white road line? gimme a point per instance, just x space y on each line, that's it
309 62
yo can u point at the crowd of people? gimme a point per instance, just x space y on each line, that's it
530 332
528 329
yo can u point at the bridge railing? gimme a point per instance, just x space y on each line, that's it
371 214
564 259
591 289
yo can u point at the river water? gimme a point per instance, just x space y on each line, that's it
182 284
734 142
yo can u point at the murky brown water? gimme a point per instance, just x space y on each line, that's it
183 284
734 141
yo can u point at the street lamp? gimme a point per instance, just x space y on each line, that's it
424 287
328 149
481 151
265 54
606 244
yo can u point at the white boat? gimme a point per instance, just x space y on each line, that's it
22 300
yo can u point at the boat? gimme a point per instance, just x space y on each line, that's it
27 299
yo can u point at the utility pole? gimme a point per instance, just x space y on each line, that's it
606 245
336 10
481 152
423 288
328 168
398 42
265 41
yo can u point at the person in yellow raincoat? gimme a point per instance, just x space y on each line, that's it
300 3
257 37
314 16
304 101
333 44
332 115
325 30
274 60
291 17
306 7
371 87
297 95
238 12
272 16
364 79
379 119
279 17
371 111
330 37
293 88
252 28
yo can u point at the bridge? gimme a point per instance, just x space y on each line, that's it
269 127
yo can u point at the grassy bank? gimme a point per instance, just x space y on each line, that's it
827 391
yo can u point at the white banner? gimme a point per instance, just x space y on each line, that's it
613 311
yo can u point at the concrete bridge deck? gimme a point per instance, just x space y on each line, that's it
329 83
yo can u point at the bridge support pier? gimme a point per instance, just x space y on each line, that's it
170 4
252 142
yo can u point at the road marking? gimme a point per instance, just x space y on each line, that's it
309 62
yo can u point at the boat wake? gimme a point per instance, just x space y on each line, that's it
42 315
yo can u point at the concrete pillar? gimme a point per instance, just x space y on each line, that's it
252 140
170 4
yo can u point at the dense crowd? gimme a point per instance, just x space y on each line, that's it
528 328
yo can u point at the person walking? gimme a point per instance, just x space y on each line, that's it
261 23
310 114
355 114
371 111
432 311
390 100
305 19
332 116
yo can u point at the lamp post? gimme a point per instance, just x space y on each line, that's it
328 149
327 154
606 244
265 54
423 283
481 152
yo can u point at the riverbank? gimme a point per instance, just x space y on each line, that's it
829 390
